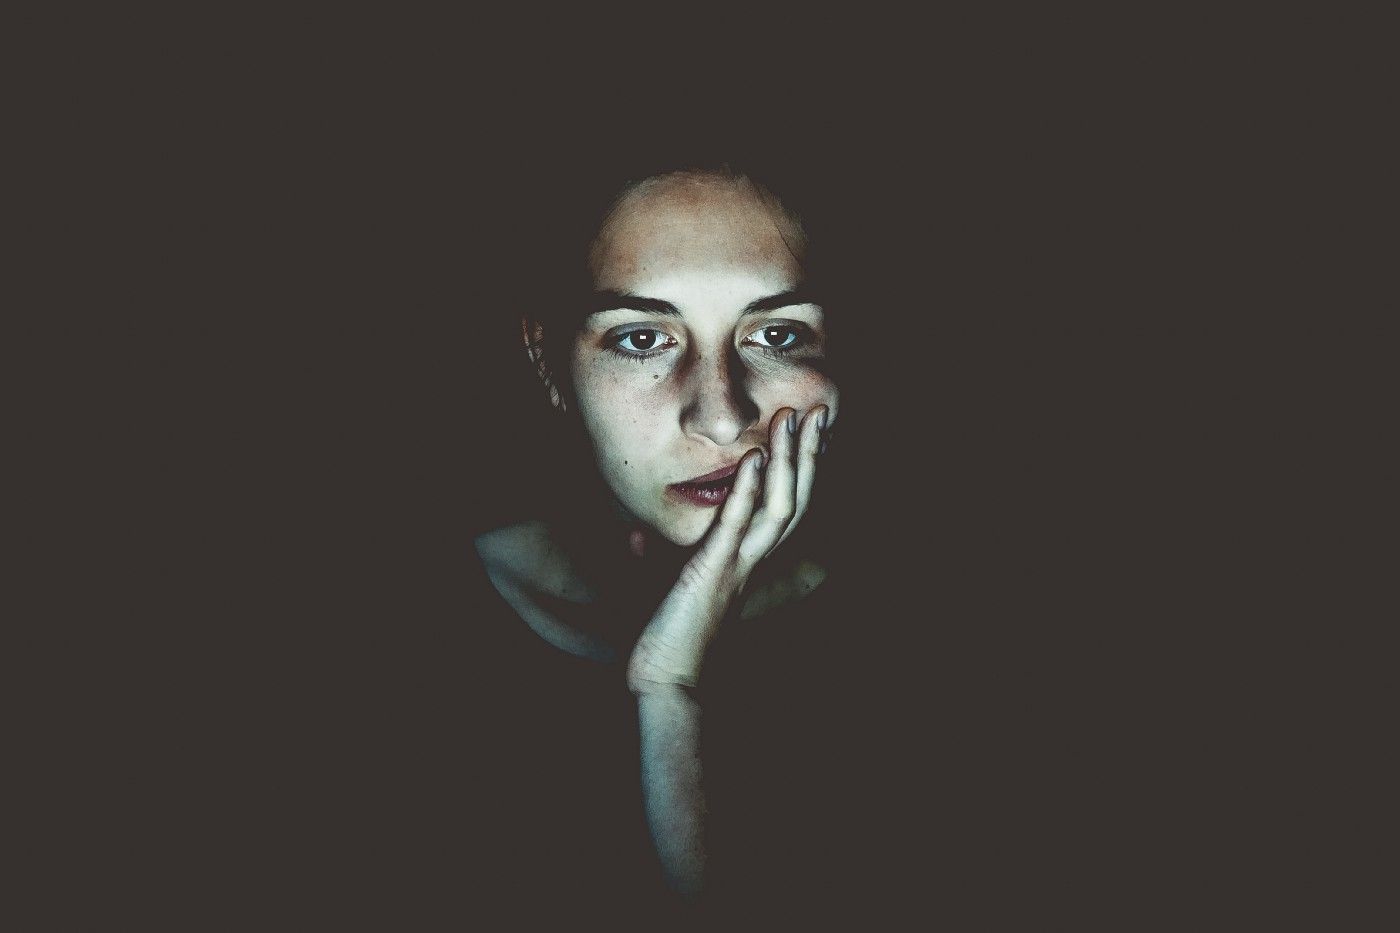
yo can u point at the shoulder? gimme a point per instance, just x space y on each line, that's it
509 552
527 554
530 570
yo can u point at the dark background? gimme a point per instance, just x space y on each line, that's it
1075 391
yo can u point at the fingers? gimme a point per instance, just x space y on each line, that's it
779 492
809 445
769 496
737 512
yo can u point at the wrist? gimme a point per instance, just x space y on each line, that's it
667 656
649 676
664 695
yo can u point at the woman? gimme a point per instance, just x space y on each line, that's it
696 370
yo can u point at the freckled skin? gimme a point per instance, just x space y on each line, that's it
709 246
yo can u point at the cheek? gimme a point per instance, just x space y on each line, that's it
802 391
624 423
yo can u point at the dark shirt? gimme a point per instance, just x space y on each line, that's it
482 767
564 806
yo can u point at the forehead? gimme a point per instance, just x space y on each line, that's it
686 226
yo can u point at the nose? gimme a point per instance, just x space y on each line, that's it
717 407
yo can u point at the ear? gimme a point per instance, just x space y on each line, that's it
532 332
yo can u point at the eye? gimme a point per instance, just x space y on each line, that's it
640 342
775 336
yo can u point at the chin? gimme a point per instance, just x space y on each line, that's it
687 538
682 525
686 531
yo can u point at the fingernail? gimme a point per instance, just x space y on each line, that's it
758 461
792 422
821 419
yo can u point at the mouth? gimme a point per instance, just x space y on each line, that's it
708 490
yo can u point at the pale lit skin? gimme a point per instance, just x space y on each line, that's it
667 397
714 380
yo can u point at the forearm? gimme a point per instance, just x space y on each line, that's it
671 783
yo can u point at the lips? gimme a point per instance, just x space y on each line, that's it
721 473
708 490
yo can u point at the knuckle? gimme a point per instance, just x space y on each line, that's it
694 573
763 529
699 573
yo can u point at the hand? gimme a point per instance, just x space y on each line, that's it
762 509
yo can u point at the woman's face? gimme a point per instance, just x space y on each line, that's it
700 335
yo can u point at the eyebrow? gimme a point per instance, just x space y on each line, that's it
608 300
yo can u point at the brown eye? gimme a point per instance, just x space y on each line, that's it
640 342
775 336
